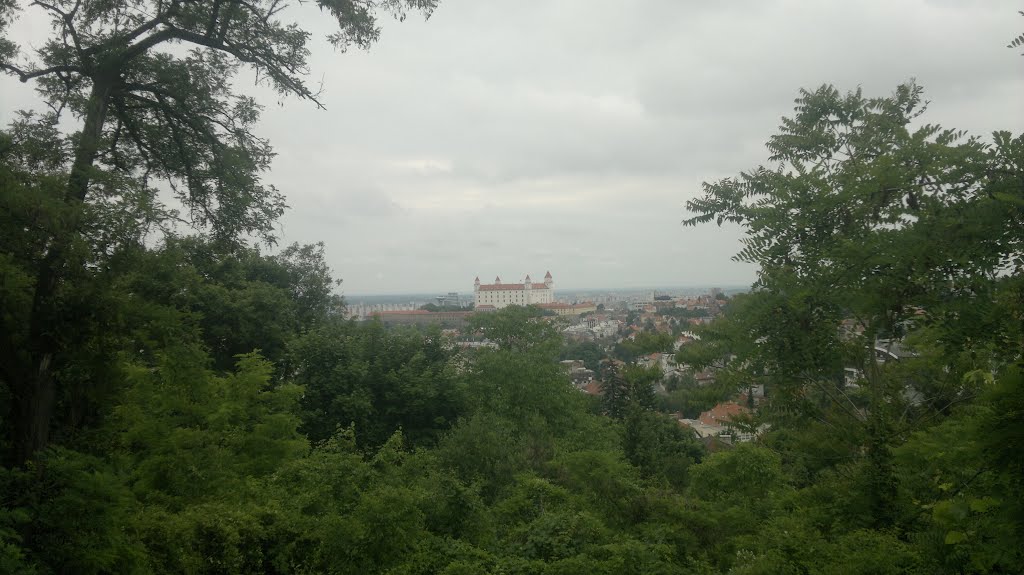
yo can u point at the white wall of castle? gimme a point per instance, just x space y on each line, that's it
505 297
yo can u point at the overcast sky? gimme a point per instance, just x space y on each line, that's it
515 137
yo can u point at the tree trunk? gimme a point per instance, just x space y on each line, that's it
35 393
882 482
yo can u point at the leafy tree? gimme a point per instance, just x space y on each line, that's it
517 328
868 219
589 352
628 386
659 446
691 399
1019 40
746 474
644 343
147 114
378 380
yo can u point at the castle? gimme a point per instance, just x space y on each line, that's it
498 295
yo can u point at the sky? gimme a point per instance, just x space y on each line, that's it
516 137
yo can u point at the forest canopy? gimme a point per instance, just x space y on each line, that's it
193 399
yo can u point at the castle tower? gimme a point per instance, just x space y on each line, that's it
528 284
548 281
476 284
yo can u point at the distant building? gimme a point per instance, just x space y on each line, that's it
451 299
421 317
569 309
499 295
719 422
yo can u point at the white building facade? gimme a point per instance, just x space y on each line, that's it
499 295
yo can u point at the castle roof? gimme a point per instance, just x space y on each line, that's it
499 286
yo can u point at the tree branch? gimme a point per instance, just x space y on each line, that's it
26 75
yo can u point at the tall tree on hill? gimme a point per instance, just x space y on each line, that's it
870 217
150 85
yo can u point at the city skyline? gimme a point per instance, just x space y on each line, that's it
572 290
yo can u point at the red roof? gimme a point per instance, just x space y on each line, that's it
496 287
721 413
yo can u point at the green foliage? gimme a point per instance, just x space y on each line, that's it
191 434
645 343
70 509
659 446
589 352
745 473
379 380
340 447
691 399
518 329
1019 40
525 387
873 228
149 118
627 387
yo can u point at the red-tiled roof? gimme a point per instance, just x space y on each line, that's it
497 287
560 305
420 312
722 413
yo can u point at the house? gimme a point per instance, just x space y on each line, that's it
718 422
723 413
568 309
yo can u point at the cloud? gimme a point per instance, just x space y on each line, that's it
505 139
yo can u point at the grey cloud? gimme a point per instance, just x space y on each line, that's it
513 138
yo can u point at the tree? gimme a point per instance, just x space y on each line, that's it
377 380
518 328
627 387
147 114
890 227
659 446
1019 40
589 352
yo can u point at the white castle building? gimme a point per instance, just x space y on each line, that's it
498 295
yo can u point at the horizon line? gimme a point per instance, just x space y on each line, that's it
626 288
